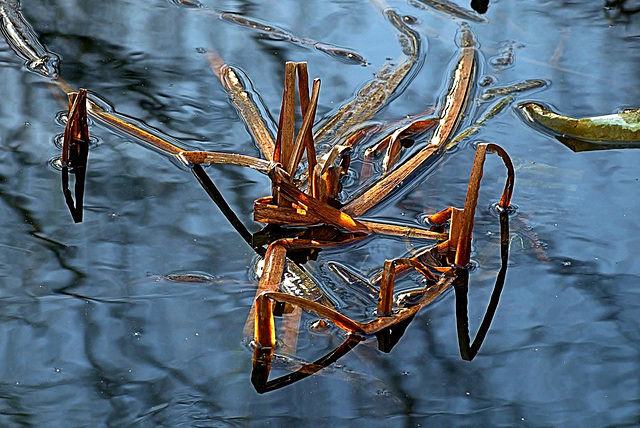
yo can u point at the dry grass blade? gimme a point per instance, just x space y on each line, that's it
286 123
454 108
303 90
265 330
125 126
394 141
245 106
458 93
403 231
305 137
197 157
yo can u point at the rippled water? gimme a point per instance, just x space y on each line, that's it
97 327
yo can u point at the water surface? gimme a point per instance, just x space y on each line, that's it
93 332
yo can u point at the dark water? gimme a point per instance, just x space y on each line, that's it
92 332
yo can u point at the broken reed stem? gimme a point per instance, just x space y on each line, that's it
76 131
305 136
272 271
385 300
403 231
463 247
303 90
286 123
323 211
75 150
265 330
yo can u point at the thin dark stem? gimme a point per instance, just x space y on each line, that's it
216 196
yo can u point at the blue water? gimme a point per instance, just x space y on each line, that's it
93 333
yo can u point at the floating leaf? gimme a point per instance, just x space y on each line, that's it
615 128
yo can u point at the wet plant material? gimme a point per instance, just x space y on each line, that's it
75 151
305 212
613 131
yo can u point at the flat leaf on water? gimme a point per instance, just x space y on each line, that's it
622 127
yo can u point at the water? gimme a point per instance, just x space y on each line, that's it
97 328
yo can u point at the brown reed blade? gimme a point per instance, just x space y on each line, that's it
459 91
440 217
119 123
395 140
266 211
336 317
286 123
385 301
243 103
265 331
303 86
198 157
455 230
303 89
305 136
75 151
392 155
463 248
76 132
402 231
125 124
454 108
274 261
